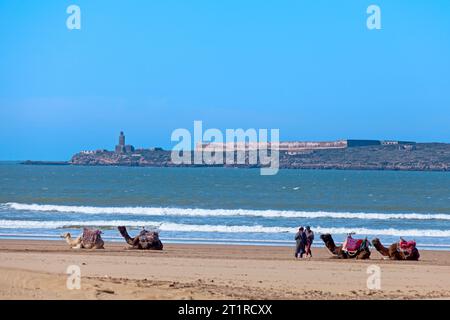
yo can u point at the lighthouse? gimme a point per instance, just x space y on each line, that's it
122 147
122 139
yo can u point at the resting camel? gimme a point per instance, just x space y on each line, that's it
144 240
362 252
402 250
90 239
73 243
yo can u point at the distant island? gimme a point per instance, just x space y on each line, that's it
341 154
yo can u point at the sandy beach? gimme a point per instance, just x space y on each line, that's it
37 270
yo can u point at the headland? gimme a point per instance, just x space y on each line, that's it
342 154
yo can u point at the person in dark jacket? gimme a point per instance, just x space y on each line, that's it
300 239
309 240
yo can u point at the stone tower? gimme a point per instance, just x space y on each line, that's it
121 139
122 147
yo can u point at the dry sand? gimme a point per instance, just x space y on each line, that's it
37 270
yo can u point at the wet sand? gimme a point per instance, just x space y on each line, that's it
37 270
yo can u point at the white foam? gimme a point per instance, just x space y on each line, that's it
169 226
159 211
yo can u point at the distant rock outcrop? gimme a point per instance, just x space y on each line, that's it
46 163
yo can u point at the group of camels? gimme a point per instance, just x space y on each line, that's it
359 248
350 249
91 239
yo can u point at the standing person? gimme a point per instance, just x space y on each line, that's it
309 240
300 239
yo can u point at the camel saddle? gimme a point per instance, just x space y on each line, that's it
406 247
148 236
353 245
90 235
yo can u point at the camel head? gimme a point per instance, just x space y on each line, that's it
123 231
328 240
376 242
385 252
66 235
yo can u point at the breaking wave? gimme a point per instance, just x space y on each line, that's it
155 211
167 226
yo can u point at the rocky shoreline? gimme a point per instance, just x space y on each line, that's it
422 157
46 163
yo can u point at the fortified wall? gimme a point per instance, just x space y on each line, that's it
293 146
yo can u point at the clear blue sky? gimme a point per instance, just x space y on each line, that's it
310 68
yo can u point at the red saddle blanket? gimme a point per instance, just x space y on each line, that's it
407 245
352 244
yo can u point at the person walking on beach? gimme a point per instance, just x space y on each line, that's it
309 241
300 239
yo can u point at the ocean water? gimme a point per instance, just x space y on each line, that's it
224 205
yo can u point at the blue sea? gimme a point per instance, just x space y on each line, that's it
224 205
